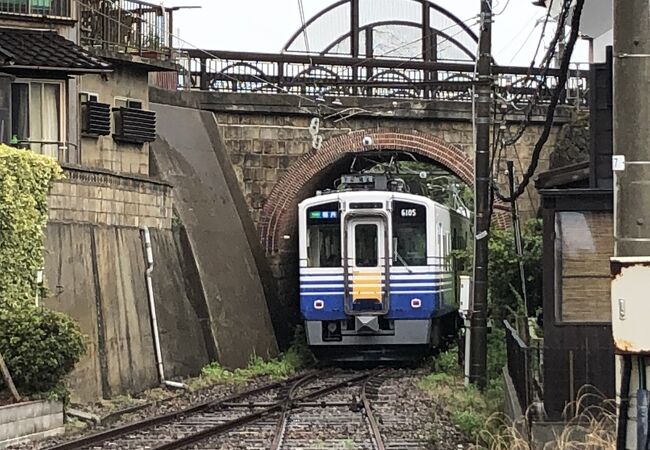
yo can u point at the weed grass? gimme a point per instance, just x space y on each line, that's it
296 358
591 420
469 408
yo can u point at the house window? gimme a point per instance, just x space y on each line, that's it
583 246
128 103
37 115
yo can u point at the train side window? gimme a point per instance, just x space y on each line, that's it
409 234
365 245
324 236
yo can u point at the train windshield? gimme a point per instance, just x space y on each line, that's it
409 234
365 245
324 236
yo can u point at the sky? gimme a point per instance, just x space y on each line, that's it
266 25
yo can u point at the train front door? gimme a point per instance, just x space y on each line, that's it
366 266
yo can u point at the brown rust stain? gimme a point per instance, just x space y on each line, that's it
627 346
616 267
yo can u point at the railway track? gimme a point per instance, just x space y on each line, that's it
300 412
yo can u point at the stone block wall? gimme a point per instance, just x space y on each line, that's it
31 420
100 197
264 147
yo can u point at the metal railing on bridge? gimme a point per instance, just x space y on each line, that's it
126 26
317 75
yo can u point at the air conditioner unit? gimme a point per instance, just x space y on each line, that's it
135 126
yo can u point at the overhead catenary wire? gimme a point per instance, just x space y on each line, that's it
301 10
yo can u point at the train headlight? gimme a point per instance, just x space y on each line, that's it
331 327
319 304
416 303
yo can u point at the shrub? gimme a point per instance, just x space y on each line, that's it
504 283
40 346
24 182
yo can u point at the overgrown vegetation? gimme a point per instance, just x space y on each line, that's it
469 408
296 358
504 284
39 346
24 182
591 426
505 292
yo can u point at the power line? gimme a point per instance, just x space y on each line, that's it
564 72
301 10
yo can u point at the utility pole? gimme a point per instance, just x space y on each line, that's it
631 203
483 100
631 208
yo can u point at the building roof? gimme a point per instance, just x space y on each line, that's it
568 176
25 49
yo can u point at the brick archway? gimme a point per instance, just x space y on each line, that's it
279 214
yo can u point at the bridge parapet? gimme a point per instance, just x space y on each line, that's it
319 76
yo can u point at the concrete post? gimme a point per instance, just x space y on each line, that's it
632 184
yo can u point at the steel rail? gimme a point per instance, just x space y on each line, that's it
282 421
103 436
375 432
227 426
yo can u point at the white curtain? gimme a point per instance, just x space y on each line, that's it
51 99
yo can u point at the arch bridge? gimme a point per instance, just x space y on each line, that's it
401 71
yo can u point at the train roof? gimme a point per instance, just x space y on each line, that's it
370 196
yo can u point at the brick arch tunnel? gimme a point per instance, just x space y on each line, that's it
279 215
315 170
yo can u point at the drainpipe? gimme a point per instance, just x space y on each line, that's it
154 319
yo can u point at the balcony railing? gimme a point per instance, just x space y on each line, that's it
55 8
130 27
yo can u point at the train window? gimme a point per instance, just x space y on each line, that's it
324 236
365 245
409 234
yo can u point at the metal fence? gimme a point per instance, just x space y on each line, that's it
317 75
59 8
520 366
126 26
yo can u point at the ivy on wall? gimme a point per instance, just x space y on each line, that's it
40 346
25 179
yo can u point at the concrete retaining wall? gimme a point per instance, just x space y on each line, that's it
96 274
189 155
31 420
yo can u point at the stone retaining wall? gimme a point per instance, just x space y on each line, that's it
106 198
31 420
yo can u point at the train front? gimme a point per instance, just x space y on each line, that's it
374 284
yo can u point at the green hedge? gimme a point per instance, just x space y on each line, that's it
39 346
25 179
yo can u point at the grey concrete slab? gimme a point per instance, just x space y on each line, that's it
184 324
70 282
230 280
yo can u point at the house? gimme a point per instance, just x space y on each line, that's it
577 212
75 79
74 86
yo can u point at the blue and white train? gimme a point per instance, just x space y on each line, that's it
375 278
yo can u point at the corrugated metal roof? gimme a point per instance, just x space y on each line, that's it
46 50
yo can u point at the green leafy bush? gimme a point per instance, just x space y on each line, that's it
296 358
40 346
24 183
504 282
